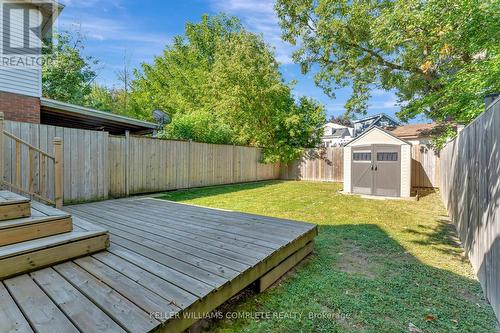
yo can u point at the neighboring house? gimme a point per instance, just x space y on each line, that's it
381 120
336 135
414 133
21 87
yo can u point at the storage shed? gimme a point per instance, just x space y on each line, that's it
378 163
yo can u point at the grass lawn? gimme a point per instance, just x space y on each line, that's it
378 266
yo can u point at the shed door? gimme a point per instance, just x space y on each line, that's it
361 170
376 170
387 170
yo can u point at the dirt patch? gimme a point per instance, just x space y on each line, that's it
355 260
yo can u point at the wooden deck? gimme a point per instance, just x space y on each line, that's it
167 265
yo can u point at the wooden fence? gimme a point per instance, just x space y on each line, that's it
97 165
425 166
325 164
470 188
85 169
142 165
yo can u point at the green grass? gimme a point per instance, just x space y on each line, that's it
378 266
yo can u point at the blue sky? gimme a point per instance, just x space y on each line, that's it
133 32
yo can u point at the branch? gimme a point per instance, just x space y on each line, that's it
380 58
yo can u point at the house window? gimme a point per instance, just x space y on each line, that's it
362 156
387 156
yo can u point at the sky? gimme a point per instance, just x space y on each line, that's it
118 32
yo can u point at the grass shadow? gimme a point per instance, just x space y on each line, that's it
359 279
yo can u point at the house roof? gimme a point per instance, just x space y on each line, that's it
70 115
340 132
375 118
413 131
376 128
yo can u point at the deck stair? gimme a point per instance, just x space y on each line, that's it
33 235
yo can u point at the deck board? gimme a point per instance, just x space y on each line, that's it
84 314
163 257
44 315
11 317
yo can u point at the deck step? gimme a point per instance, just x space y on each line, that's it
30 255
33 227
13 206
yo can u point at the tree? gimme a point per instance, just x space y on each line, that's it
440 56
67 75
221 79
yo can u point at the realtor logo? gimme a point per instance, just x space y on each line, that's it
26 28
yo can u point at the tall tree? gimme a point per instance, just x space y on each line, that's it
440 56
67 75
220 74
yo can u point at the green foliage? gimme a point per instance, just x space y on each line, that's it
116 101
220 74
67 75
200 127
441 56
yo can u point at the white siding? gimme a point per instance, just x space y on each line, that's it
347 170
405 171
20 80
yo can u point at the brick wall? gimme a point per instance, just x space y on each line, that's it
20 107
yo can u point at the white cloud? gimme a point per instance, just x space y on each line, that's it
103 4
258 16
102 29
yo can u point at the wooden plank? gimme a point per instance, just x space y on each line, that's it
42 314
84 314
213 222
181 229
196 227
14 211
119 308
181 280
162 287
244 253
273 275
21 233
177 244
11 318
134 292
29 261
154 253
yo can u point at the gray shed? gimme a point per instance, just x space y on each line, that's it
378 163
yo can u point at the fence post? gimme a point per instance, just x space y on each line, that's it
127 163
189 164
58 172
2 153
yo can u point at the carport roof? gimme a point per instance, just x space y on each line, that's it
69 115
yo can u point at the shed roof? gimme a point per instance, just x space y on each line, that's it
70 115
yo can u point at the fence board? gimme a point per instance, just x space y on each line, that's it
81 162
158 165
325 164
470 189
425 166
